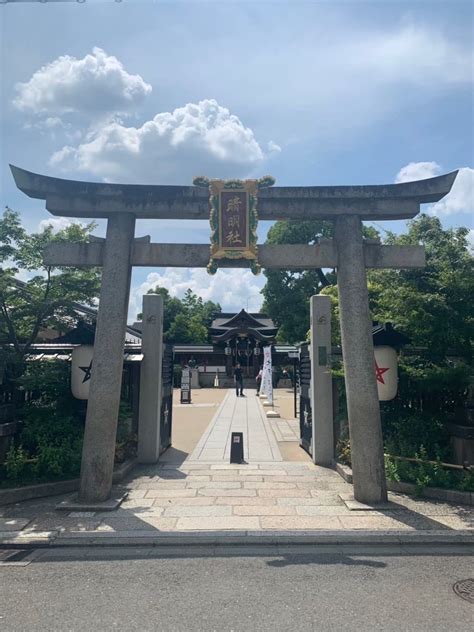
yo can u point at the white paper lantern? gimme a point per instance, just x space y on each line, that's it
386 371
81 369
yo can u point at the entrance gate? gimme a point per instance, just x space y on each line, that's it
346 206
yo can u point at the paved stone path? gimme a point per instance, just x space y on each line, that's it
258 497
286 430
205 493
238 414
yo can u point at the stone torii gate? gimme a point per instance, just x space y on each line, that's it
347 206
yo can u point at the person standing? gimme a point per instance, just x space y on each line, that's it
239 381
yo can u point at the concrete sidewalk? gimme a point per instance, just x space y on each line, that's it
215 502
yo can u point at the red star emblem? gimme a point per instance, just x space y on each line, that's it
379 373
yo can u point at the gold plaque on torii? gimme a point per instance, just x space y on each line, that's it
233 219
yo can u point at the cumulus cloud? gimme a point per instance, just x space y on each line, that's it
97 83
470 239
232 289
461 197
171 148
418 171
57 224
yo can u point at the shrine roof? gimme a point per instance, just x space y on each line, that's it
231 320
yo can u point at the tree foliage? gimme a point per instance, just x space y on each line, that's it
186 320
433 305
47 298
287 293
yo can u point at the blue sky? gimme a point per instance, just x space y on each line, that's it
309 92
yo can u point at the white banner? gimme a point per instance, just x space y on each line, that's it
266 387
386 372
81 369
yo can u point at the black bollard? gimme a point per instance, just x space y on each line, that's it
237 447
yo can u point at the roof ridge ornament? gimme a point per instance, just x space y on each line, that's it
233 218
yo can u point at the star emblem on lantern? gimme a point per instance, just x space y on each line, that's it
87 372
379 371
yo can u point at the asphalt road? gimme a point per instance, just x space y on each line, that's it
145 589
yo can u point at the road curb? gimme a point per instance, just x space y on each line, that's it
150 538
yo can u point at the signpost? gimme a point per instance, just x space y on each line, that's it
186 386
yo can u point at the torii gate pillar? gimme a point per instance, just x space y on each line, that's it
106 377
358 354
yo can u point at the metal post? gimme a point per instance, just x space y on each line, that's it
359 372
106 379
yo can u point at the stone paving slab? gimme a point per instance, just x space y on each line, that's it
219 498
13 524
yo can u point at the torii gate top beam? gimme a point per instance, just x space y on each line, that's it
71 198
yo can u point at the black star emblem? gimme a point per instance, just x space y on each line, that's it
87 372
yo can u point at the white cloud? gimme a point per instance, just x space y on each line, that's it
414 54
56 223
97 83
470 239
233 289
418 171
461 197
170 148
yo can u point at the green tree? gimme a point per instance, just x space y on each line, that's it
287 293
172 307
186 321
433 305
47 298
187 330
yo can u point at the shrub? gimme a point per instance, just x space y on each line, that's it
16 463
424 474
412 432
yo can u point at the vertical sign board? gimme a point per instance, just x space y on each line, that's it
306 413
186 386
166 417
266 387
294 355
